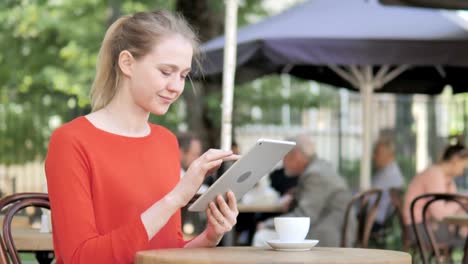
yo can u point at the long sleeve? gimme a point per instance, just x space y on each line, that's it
312 198
76 238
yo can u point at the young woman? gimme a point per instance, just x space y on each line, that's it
113 178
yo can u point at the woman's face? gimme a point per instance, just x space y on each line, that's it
158 78
458 165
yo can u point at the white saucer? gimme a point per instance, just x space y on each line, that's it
292 246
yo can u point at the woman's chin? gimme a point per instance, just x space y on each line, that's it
159 111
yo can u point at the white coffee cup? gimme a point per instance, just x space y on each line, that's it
292 229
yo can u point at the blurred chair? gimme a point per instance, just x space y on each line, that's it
430 245
11 205
366 203
396 198
380 234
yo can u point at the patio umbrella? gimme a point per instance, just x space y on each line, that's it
358 44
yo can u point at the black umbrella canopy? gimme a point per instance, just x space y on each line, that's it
308 38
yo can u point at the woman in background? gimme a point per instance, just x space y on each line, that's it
438 178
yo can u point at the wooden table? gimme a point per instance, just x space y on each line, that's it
28 239
247 255
460 220
20 221
259 208
31 240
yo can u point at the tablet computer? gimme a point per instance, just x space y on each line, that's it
245 172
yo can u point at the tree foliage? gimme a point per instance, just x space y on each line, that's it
48 52
47 64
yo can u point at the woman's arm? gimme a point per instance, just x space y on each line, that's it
441 209
157 215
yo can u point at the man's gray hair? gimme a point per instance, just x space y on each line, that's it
305 145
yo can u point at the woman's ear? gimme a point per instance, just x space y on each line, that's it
126 61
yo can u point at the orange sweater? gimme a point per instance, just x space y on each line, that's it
99 183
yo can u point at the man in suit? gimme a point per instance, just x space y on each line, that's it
321 194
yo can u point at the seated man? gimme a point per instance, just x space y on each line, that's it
321 194
281 182
387 176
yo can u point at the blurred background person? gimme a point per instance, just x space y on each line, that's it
387 175
190 148
437 178
321 195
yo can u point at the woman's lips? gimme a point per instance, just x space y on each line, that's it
166 100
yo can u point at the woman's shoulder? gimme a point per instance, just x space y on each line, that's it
70 129
432 171
163 132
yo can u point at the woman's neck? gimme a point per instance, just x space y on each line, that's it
124 117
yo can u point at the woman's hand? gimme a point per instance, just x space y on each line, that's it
205 165
221 216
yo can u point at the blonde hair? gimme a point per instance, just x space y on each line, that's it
137 34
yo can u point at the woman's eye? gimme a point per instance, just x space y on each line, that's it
183 77
165 73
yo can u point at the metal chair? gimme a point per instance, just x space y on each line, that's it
11 205
462 200
366 203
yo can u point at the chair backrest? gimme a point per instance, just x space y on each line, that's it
366 203
396 198
11 205
430 198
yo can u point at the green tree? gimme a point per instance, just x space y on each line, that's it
47 65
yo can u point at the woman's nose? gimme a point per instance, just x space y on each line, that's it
176 85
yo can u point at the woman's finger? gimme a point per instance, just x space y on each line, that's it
220 228
217 214
232 202
208 166
215 154
218 225
228 214
232 157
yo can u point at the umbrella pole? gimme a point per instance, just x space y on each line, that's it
229 73
367 90
364 79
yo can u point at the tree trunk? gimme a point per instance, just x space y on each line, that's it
207 21
115 8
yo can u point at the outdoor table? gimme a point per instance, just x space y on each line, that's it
460 220
21 221
259 208
247 255
31 240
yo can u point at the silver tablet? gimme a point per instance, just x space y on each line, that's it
245 172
